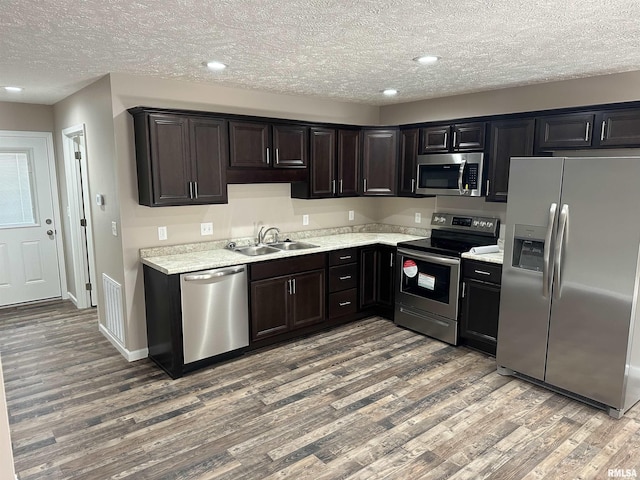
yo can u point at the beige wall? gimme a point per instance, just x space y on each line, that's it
26 116
6 455
91 106
248 204
621 87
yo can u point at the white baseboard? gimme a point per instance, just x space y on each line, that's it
73 299
129 356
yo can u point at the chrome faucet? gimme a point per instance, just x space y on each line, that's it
262 234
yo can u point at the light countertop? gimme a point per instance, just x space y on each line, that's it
221 257
496 257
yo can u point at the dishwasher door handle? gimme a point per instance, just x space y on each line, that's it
213 275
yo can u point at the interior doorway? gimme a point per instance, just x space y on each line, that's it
80 225
31 254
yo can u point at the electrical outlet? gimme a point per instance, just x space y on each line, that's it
352 215
162 233
206 228
114 229
305 219
418 218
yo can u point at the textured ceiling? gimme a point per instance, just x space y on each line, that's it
340 49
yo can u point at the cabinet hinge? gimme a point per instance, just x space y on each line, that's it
78 155
83 222
87 286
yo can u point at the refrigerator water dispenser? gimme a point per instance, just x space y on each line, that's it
528 247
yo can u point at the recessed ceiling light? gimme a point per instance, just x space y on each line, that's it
390 92
13 89
216 66
426 59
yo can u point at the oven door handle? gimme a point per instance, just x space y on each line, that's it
441 260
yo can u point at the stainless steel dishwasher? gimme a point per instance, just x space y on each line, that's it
215 312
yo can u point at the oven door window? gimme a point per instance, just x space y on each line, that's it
438 176
425 279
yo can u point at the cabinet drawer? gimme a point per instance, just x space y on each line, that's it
483 271
340 257
343 303
343 277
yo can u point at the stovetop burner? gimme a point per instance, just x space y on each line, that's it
453 234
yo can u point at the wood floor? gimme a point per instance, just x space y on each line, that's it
365 401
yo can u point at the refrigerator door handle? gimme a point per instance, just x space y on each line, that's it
547 269
562 232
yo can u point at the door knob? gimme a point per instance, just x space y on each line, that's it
49 232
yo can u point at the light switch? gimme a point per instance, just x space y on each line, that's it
114 229
162 233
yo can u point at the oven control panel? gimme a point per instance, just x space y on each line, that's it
467 223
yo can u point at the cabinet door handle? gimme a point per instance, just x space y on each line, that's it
454 139
333 187
346 277
344 304
191 190
488 183
364 183
267 155
195 189
290 288
391 259
586 131
464 289
604 124
277 156
294 286
340 185
482 272
446 137
413 185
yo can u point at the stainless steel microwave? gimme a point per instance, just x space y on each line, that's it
450 174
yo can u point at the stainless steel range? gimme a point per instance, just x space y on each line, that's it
428 277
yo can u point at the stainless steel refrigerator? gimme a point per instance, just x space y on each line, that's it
568 307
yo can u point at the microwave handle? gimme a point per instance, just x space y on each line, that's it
462 165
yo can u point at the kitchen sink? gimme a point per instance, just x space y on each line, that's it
254 250
292 245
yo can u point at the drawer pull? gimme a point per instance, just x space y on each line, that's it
346 277
344 304
482 272
346 257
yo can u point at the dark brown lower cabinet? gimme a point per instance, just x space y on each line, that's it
286 295
480 305
377 279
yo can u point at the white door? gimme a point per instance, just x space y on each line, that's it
29 262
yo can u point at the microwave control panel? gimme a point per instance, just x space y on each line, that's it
470 177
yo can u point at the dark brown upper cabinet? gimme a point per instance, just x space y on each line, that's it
263 145
507 138
333 164
564 131
408 162
619 128
379 161
459 137
180 159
